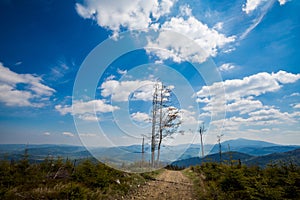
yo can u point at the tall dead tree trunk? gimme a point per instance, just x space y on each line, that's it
143 152
153 133
201 131
161 96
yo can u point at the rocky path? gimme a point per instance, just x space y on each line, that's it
168 185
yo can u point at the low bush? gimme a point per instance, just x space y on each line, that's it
241 182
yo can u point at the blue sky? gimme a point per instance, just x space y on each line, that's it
240 74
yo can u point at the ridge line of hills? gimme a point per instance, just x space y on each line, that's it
233 156
250 152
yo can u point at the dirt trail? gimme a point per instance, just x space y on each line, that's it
168 185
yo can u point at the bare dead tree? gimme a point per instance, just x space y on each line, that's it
168 117
154 117
201 132
220 147
169 125
143 152
160 121
165 119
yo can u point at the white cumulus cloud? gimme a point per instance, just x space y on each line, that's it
266 117
31 93
240 93
253 85
86 110
188 117
297 105
295 94
251 5
121 90
69 134
47 133
140 117
80 107
244 106
130 14
139 14
208 39
285 77
226 67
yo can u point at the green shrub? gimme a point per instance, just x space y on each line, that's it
241 182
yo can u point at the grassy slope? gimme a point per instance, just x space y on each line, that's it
57 179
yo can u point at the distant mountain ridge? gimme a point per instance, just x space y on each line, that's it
227 157
282 157
239 147
252 147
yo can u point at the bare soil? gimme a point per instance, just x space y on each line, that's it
168 185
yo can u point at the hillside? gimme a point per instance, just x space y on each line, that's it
219 181
227 156
285 157
40 152
58 179
249 160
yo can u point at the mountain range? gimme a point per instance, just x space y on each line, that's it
248 151
235 157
